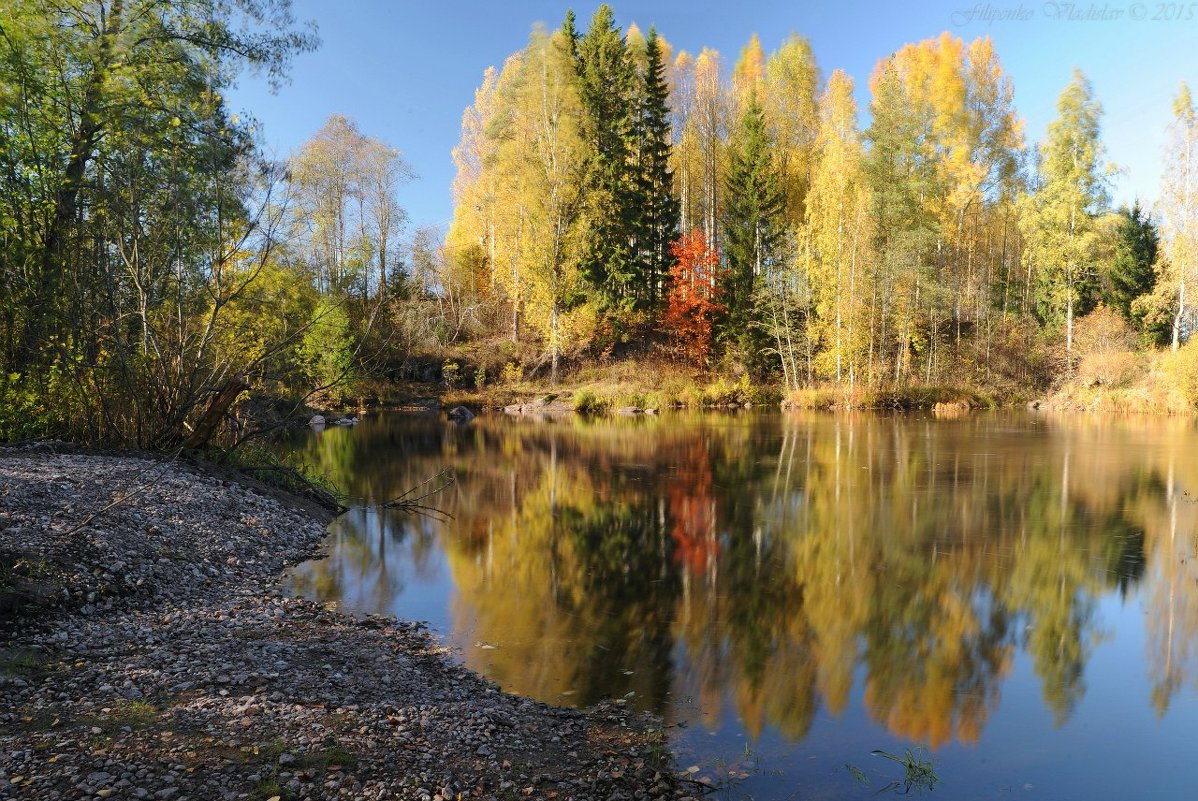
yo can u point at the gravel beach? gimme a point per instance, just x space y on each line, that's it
148 653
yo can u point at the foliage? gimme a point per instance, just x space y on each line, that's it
513 373
913 251
1180 370
134 211
605 91
1129 271
1102 331
1058 217
752 224
655 209
692 299
326 351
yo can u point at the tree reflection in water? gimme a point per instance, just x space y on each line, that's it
757 563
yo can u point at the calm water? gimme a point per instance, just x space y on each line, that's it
1016 594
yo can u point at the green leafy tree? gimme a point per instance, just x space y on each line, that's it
899 178
135 212
1058 217
327 350
90 79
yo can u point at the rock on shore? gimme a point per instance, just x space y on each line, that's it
165 663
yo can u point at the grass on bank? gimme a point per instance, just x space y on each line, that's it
1129 382
263 464
893 399
600 389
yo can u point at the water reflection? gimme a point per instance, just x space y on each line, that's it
773 566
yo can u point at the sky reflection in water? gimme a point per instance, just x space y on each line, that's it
1016 593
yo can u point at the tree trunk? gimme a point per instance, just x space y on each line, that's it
1069 321
1181 305
553 345
217 407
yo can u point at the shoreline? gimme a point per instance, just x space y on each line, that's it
165 662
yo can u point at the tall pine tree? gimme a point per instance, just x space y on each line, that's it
753 213
655 224
606 91
1129 273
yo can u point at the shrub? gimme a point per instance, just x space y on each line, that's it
326 351
513 373
1180 370
1102 331
1110 368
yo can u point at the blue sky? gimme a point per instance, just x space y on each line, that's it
405 69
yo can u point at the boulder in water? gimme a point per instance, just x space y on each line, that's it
460 414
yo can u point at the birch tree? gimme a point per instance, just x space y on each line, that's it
1179 210
1058 217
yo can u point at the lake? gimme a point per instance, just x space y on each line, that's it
1012 597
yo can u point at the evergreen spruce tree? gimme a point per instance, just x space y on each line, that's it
606 92
570 32
1130 272
753 212
656 210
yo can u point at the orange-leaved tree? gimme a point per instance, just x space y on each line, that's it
691 300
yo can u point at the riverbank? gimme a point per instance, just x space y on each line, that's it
654 385
149 652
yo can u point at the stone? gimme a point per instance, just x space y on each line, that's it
460 414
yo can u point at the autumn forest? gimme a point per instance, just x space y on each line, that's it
738 224
610 192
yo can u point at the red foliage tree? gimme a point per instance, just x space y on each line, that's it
691 301
692 508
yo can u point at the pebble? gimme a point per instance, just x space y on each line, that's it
171 665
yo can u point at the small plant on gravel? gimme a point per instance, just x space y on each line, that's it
269 789
21 662
125 714
333 756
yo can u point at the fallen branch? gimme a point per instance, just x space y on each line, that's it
411 502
